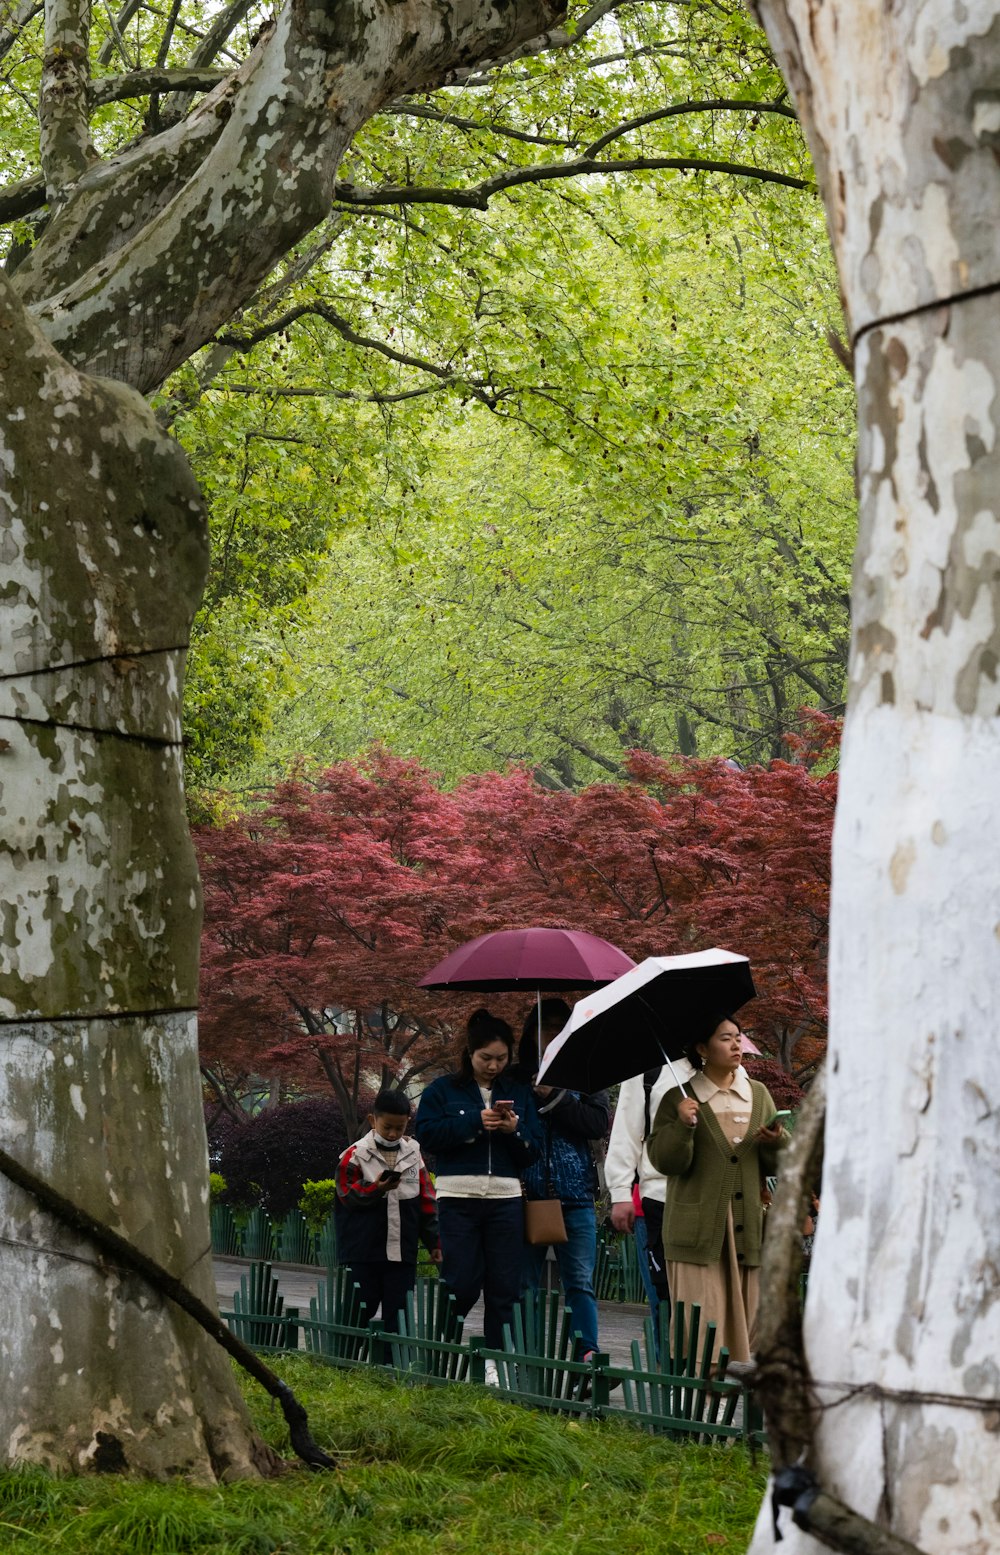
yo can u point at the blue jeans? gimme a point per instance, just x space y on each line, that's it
481 1242
576 1259
650 1288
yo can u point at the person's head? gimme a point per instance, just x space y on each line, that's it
720 1049
555 1014
389 1116
489 1047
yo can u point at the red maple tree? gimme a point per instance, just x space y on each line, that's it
325 904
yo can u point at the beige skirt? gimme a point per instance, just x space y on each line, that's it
728 1295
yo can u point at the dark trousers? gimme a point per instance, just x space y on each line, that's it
482 1242
652 1213
384 1285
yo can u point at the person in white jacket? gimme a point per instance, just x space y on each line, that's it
627 1161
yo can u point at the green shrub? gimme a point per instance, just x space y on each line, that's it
317 1201
216 1186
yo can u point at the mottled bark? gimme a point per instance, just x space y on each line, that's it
64 125
102 536
902 1325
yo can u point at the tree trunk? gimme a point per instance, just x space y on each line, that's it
104 547
902 109
144 255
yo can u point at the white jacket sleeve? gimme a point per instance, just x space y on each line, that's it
627 1156
625 1145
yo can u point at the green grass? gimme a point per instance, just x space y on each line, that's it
448 1470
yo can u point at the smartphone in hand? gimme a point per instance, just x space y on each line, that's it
390 1178
780 1118
505 1108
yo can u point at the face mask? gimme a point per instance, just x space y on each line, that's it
385 1144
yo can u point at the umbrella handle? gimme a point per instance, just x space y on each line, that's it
673 1071
538 1008
666 1056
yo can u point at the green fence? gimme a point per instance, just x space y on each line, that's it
256 1235
670 1388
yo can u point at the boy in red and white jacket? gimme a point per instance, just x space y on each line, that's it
385 1204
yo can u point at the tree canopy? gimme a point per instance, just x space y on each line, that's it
637 506
556 347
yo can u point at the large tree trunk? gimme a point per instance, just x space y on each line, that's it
903 113
142 259
103 543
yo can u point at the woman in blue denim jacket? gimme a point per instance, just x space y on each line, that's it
481 1127
565 1169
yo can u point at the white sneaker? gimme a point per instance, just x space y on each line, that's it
492 1375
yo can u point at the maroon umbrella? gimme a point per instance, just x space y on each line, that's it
542 960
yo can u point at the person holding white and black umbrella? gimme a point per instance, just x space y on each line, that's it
716 1146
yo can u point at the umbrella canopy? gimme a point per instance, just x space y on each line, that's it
645 1018
542 960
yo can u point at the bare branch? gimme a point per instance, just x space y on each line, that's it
212 45
599 760
220 32
478 197
166 39
708 106
218 356
545 42
323 311
424 111
321 393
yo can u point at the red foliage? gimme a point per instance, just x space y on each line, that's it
343 889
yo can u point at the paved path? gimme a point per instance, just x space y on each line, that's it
620 1322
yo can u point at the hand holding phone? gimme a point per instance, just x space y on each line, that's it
504 1108
390 1178
780 1118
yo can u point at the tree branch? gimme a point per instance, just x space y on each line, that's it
25 13
542 43
118 24
478 197
63 99
279 391
424 111
366 342
583 749
211 46
143 83
21 199
266 180
707 106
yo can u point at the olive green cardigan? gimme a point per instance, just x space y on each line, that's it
706 1175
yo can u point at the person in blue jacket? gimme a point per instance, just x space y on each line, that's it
566 1170
481 1127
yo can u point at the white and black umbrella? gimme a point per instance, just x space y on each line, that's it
646 1018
